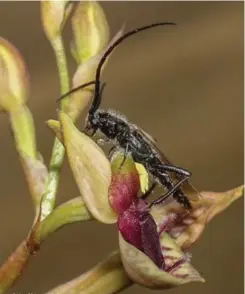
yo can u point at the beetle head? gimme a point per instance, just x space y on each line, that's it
92 123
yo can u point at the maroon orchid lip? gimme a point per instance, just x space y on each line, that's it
135 222
138 231
123 190
125 183
138 227
143 270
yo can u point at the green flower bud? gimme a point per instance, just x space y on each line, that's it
54 14
90 30
14 83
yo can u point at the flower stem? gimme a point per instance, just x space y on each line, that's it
16 262
58 151
12 267
69 212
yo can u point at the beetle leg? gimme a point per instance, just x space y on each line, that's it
113 148
168 194
93 132
174 169
124 156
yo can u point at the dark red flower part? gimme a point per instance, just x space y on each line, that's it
123 190
135 222
138 228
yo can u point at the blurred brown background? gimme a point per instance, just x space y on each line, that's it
184 85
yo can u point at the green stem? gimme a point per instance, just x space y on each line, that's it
58 151
13 266
11 269
61 64
69 212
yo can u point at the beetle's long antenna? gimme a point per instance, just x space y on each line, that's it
96 100
76 89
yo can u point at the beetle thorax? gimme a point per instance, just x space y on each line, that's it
110 124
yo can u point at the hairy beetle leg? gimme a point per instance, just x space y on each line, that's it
168 194
175 169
